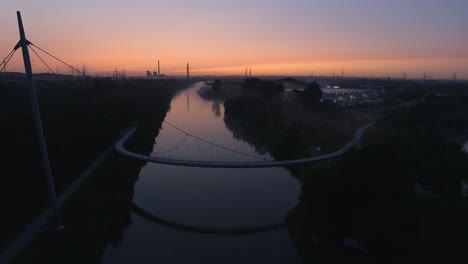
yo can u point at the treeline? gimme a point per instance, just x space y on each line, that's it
401 194
286 129
255 116
80 119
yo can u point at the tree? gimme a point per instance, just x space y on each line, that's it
312 93
216 85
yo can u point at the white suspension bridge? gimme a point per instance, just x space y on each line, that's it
213 155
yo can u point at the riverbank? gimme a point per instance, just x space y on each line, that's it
373 197
370 196
223 200
80 118
282 124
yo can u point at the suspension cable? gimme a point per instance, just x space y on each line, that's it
217 145
45 63
7 59
173 148
71 67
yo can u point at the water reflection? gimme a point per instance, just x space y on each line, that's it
216 108
173 205
203 230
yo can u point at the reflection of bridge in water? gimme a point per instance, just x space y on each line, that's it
204 230
172 157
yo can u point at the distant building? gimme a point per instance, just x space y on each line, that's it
155 74
148 75
344 97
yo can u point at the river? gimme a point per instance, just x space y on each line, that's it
206 198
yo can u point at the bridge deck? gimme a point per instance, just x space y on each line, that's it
214 164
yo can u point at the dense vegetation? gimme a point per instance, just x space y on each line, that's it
312 94
287 127
402 193
80 118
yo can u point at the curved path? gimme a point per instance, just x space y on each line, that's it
119 147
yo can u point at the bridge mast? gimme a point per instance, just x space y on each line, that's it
23 43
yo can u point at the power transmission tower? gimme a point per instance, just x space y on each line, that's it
84 69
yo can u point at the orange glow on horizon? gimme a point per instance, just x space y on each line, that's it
377 39
136 64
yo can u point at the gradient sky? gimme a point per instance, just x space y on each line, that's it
273 37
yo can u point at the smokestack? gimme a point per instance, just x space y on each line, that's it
159 71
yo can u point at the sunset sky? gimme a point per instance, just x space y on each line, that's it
273 37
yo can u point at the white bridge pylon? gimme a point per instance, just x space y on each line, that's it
119 147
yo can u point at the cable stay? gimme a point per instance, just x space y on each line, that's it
215 144
7 59
50 70
4 63
59 60
173 148
211 144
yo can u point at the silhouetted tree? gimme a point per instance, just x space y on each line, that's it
216 85
265 88
312 94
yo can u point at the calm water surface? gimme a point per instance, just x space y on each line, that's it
207 198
